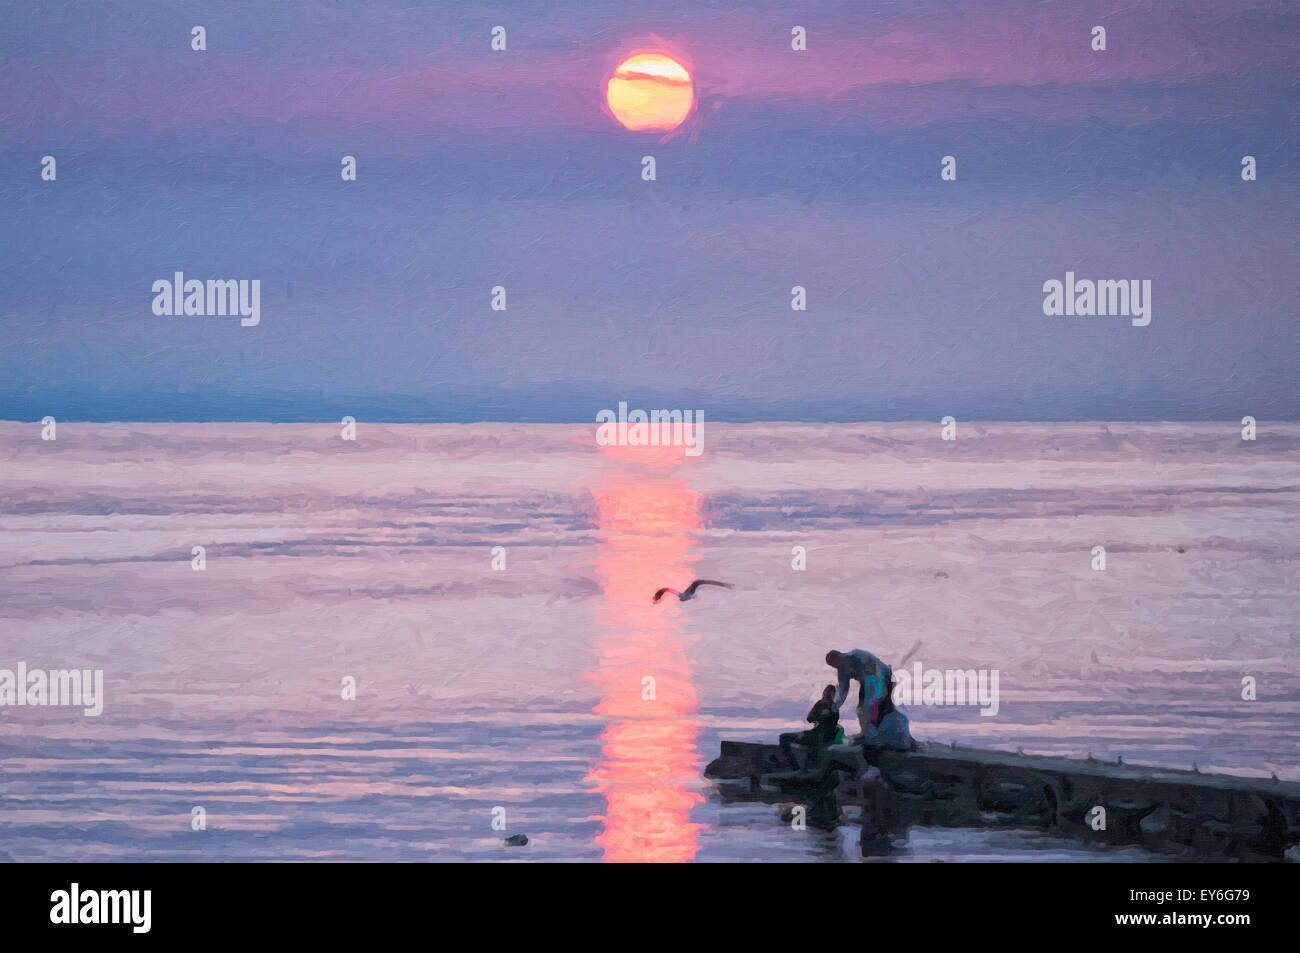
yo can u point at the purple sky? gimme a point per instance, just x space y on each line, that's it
818 168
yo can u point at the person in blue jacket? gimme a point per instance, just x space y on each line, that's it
882 724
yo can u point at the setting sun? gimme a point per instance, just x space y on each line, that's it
650 91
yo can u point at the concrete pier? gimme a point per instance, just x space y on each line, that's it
1208 815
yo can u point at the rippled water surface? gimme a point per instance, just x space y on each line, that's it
553 688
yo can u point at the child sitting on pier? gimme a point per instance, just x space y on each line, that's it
826 719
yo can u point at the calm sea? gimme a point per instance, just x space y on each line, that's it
488 589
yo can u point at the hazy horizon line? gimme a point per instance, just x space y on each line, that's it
592 423
581 402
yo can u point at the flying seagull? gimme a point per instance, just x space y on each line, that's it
690 590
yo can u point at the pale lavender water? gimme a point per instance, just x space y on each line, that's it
479 688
